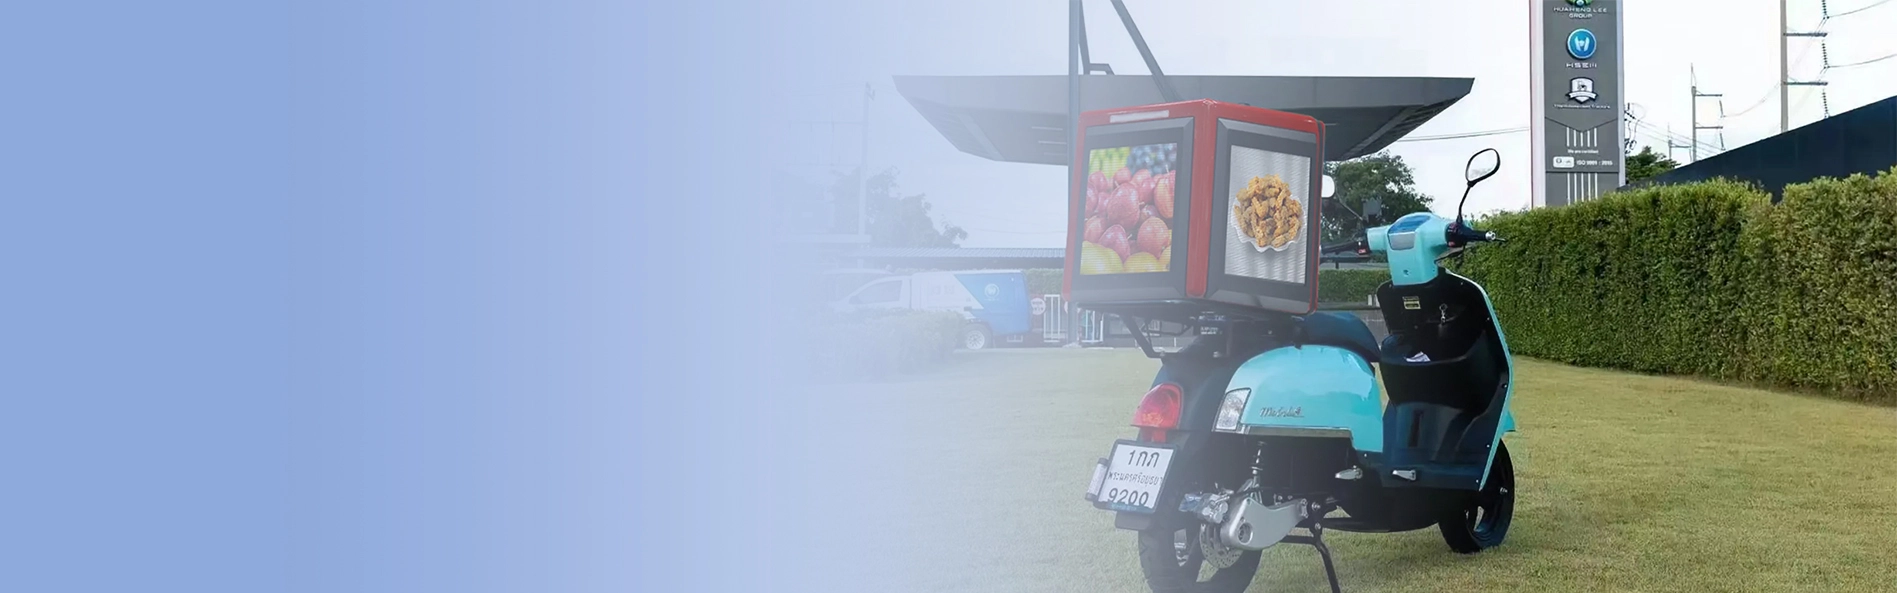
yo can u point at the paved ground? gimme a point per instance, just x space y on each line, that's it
1627 482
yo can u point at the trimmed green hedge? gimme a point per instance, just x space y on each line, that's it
1349 286
1043 280
1826 317
879 344
1709 279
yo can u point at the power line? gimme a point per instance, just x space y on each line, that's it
1869 61
1785 82
1858 9
1800 103
1662 138
1756 104
1655 138
1796 62
1652 129
1465 135
1694 144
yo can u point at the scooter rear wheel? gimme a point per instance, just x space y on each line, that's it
1484 522
1174 562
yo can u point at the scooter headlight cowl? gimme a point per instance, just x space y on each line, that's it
1231 409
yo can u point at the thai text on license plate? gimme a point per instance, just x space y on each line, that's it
1132 477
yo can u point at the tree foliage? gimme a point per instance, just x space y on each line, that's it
1382 176
894 219
1647 164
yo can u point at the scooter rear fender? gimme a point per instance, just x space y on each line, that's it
1202 378
1311 390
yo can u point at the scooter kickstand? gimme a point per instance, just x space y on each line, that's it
1324 552
1316 540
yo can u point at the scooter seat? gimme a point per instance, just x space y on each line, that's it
1342 330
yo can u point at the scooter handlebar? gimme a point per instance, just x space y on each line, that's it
1461 233
1357 246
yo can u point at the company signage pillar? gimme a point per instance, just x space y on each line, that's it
1578 98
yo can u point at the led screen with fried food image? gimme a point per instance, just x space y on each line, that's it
1268 221
1128 215
1266 213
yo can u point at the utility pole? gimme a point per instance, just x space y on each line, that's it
1671 144
1694 82
862 196
1076 64
1784 67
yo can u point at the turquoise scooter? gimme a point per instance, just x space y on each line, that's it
1269 426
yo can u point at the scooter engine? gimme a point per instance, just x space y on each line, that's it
1250 524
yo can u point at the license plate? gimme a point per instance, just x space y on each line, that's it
1128 481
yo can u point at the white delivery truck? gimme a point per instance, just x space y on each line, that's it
995 302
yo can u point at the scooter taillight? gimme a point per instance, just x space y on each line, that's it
1159 412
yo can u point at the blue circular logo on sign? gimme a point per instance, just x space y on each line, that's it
1581 44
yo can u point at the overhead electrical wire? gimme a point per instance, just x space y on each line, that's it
1639 129
1657 142
1858 9
1800 102
1755 104
1675 138
1869 61
1464 135
1796 62
1651 138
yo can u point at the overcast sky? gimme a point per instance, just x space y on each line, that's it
1729 43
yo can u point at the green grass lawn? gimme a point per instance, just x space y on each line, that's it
1626 483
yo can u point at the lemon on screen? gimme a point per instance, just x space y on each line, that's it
1143 262
1095 259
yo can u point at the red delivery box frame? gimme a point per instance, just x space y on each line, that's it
1185 208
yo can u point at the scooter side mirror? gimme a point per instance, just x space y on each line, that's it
1328 188
1482 165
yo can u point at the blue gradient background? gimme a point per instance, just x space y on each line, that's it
402 296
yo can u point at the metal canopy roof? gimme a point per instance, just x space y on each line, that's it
963 252
965 258
1023 119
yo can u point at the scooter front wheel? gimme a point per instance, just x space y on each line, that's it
1484 522
1174 562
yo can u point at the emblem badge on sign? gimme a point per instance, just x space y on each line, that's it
1581 90
1581 44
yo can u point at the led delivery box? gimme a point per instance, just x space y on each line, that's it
1193 207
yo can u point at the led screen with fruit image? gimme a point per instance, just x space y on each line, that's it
1127 220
